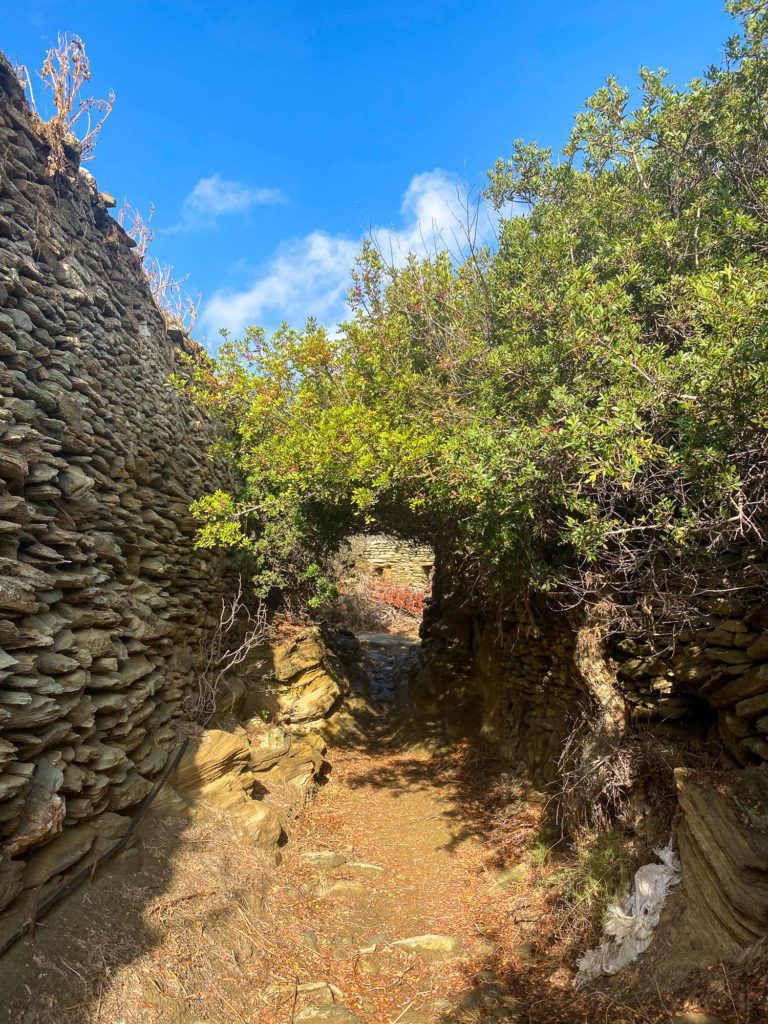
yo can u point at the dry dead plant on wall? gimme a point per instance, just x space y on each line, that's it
631 785
65 71
593 785
137 227
178 308
237 633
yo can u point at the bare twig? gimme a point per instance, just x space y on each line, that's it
136 227
237 633
178 308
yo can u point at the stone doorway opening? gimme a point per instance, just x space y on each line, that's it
384 584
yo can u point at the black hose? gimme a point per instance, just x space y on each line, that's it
90 869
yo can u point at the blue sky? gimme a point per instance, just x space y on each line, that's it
270 137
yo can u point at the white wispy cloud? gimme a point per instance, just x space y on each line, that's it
310 276
216 197
305 277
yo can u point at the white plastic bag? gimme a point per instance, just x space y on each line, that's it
629 926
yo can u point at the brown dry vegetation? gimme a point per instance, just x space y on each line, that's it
466 851
66 69
374 604
179 309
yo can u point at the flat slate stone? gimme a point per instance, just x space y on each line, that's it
323 860
348 888
433 947
57 856
336 1014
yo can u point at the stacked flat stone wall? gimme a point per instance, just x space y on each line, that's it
511 675
400 561
696 700
501 677
103 599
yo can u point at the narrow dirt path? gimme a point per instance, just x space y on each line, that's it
195 926
385 854
404 896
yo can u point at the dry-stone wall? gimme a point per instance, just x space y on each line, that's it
513 677
501 676
103 599
392 559
517 678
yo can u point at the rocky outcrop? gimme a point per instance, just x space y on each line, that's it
290 709
278 755
723 840
228 771
311 682
215 775
307 677
104 601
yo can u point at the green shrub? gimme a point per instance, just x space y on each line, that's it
580 410
596 873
